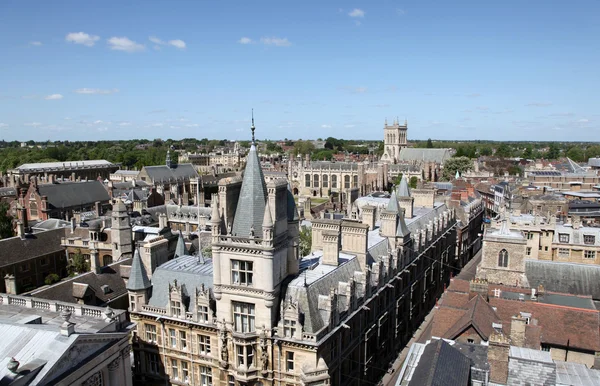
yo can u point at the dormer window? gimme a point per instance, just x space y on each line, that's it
563 237
589 239
289 328
175 308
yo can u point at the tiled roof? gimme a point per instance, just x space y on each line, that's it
575 279
15 249
427 155
177 172
441 364
253 196
70 194
480 315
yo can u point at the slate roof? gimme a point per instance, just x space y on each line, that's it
109 275
178 172
14 249
72 194
570 373
571 278
428 155
393 203
189 271
253 196
40 166
441 365
138 279
403 189
180 249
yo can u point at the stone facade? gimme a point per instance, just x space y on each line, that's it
394 139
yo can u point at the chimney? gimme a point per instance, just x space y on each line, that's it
498 351
162 221
517 330
20 229
98 208
95 265
368 216
10 282
331 247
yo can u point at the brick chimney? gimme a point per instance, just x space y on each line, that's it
517 330
498 350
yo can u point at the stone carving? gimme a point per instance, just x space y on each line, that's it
114 365
264 356
94 380
224 350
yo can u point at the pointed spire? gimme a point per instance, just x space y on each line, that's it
393 203
267 219
252 127
138 279
180 249
292 212
403 188
401 228
168 160
215 218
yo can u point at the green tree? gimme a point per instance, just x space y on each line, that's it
527 153
78 264
553 151
51 279
485 151
429 143
576 154
305 240
452 165
303 147
6 227
514 170
503 151
413 182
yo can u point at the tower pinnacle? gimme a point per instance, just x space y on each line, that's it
252 127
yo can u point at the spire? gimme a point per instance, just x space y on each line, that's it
138 279
168 161
250 209
215 218
401 228
292 212
180 249
403 189
393 203
252 127
267 219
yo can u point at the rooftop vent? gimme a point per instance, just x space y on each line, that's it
106 289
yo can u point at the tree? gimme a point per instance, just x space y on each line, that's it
398 179
576 154
51 279
514 170
452 165
527 153
503 151
303 147
78 264
305 240
485 151
429 143
553 151
6 227
413 182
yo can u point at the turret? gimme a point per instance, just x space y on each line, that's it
138 287
267 226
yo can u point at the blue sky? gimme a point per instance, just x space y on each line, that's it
501 70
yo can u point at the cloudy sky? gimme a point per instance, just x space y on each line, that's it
503 70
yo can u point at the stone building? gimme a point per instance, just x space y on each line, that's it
394 139
256 312
55 343
70 170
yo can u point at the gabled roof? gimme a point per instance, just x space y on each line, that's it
250 209
426 155
138 279
440 365
70 194
175 172
480 315
15 249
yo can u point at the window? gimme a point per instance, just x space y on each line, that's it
204 344
153 363
307 180
25 267
185 373
150 332
334 181
243 317
241 272
529 235
589 254
589 239
173 337
347 182
528 251
174 370
289 328
132 302
563 252
43 261
175 308
316 181
503 258
183 340
245 356
230 380
563 237
470 341
545 347
289 361
206 376
325 181
546 248
355 182
203 313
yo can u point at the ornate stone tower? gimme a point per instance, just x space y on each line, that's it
394 139
122 245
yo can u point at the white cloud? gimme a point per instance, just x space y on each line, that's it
177 43
326 126
156 125
33 124
156 40
96 91
102 129
124 44
82 38
539 104
192 125
53 97
35 43
98 122
3 125
274 41
245 40
67 118
356 12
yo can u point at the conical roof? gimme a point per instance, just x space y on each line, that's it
180 249
403 189
393 203
267 219
401 228
253 196
292 212
138 279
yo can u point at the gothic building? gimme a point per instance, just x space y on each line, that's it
257 313
394 140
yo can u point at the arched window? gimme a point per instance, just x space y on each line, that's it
355 181
334 181
325 181
33 212
346 182
503 258
316 181
307 180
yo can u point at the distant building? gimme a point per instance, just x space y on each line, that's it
69 170
394 139
55 343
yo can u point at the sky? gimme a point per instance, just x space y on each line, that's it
465 70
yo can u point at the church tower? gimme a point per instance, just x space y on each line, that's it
394 139
120 230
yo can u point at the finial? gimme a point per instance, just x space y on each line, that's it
252 127
405 121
